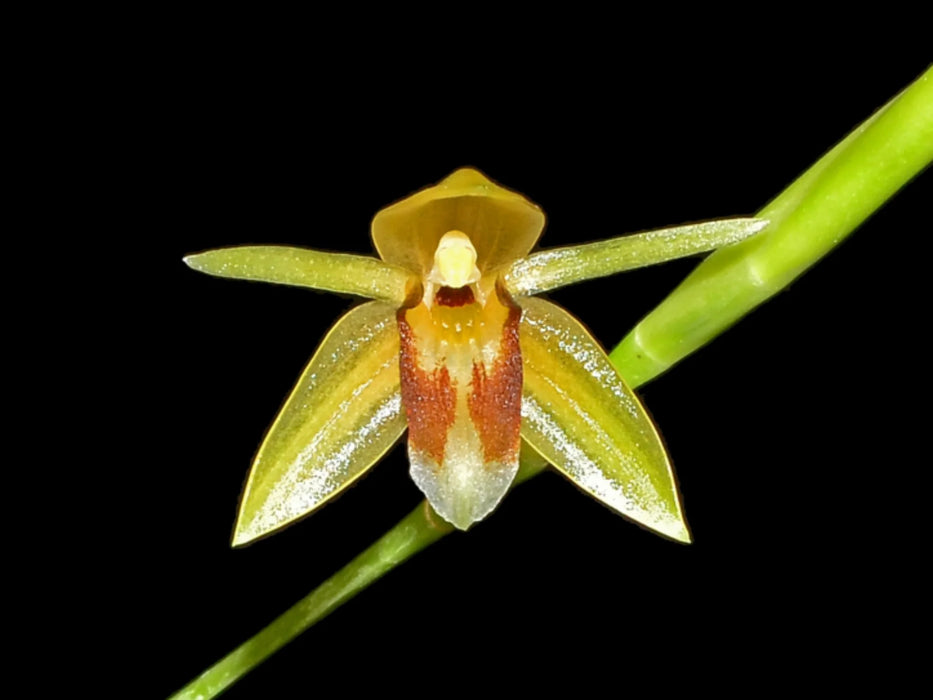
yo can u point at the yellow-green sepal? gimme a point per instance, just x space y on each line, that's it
342 416
557 267
501 224
333 272
578 413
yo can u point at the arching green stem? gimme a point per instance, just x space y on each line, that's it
809 218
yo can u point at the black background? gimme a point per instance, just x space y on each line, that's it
795 454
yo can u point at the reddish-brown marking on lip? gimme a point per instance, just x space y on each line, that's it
428 397
448 296
496 399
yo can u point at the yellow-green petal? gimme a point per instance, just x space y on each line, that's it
549 269
501 224
581 417
333 272
342 416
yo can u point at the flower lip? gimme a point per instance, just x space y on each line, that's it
502 225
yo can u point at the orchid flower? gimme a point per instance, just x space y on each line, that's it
454 347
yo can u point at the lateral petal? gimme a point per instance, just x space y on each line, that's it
556 267
341 417
578 414
300 267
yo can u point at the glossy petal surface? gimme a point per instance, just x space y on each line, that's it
333 272
549 269
502 224
342 416
580 416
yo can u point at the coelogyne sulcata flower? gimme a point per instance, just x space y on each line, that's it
455 349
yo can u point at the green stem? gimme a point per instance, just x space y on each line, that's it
415 532
810 217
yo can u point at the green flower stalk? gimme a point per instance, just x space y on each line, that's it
815 213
